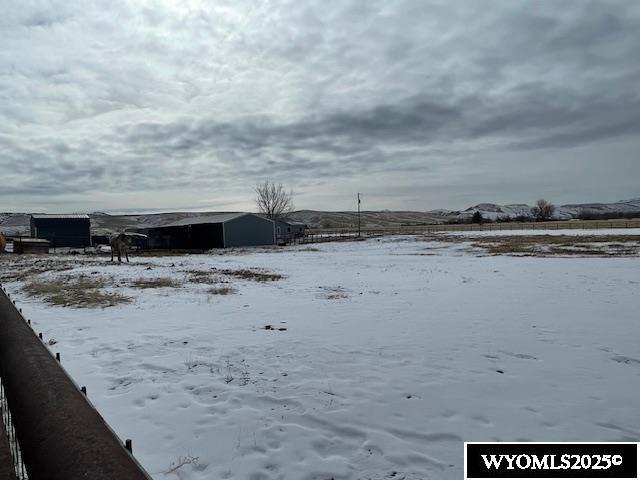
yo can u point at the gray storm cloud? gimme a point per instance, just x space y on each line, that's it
112 105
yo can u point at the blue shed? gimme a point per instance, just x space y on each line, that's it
287 230
220 230
62 230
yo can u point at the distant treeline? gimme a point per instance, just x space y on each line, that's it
595 215
478 218
582 215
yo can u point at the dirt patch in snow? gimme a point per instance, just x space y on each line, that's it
207 277
256 275
159 282
222 290
215 276
333 293
19 268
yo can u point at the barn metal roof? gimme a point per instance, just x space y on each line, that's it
62 216
282 219
215 218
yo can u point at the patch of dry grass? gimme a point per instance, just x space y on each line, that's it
551 245
216 276
206 277
333 293
24 267
252 274
19 268
79 292
158 282
222 290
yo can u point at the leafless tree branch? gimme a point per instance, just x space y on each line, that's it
273 200
543 210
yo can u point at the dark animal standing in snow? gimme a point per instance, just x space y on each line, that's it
120 244
3 243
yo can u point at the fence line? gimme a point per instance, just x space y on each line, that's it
324 235
54 432
17 467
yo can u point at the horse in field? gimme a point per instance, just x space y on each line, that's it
120 244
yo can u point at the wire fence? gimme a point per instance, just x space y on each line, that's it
19 468
51 430
350 233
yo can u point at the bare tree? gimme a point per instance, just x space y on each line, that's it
543 210
273 200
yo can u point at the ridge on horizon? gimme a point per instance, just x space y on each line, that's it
148 212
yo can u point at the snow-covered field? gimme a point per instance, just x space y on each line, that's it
395 351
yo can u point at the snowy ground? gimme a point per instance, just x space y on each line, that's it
395 351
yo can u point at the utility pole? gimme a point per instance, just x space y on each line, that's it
358 214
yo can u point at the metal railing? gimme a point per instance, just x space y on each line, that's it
53 431
13 454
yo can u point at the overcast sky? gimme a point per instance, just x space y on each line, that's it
171 105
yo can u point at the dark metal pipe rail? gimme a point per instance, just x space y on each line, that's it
17 470
7 470
61 435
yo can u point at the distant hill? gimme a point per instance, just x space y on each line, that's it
623 206
563 212
384 218
492 211
15 223
104 224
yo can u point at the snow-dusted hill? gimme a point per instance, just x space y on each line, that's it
563 212
623 206
382 218
102 223
14 223
492 211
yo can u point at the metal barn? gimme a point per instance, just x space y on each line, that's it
213 231
288 230
62 230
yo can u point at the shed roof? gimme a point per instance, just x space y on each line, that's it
61 216
281 219
215 218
